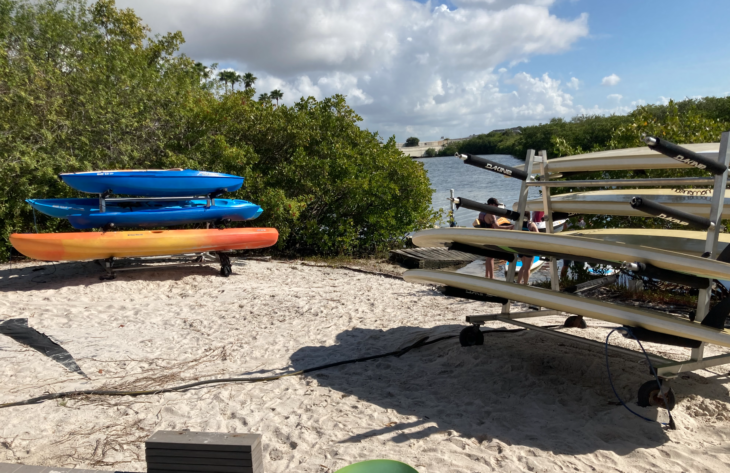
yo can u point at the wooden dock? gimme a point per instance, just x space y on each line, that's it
430 258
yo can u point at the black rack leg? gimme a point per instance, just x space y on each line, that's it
108 265
226 269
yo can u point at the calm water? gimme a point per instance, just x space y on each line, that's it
472 183
477 184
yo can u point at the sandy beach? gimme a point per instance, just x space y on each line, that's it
523 401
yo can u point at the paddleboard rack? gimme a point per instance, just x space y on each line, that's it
165 262
665 368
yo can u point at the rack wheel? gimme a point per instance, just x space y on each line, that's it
471 336
575 321
649 396
226 271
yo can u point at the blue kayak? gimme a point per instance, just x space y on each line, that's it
238 211
62 208
153 183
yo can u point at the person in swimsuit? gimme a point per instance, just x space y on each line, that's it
486 220
524 274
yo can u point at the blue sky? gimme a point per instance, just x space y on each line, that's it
432 69
667 48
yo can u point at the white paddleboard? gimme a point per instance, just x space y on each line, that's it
511 240
628 159
614 313
558 226
680 241
618 202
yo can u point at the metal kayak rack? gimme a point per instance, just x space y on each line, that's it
165 262
104 198
665 368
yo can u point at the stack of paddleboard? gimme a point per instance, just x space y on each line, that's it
168 198
670 255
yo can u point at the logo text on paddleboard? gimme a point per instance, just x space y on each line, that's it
690 162
499 169
672 219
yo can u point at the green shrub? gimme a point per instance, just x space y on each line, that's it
87 88
412 141
430 153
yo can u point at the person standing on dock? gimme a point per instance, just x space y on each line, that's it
524 275
486 220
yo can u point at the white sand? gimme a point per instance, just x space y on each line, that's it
521 402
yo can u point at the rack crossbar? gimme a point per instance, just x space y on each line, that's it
586 341
145 199
677 181
479 319
672 369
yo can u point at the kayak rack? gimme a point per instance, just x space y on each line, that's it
665 368
104 198
165 262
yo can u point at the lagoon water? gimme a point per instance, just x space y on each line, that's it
477 184
449 172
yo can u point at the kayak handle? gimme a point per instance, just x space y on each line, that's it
487 209
492 166
667 213
684 155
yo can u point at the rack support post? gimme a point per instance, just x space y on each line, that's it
718 199
452 222
521 205
548 208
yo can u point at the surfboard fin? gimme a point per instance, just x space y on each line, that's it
725 255
472 295
716 317
646 335
482 251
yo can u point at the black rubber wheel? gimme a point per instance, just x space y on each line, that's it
225 271
471 336
575 321
649 396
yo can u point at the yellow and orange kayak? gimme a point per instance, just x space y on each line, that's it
96 245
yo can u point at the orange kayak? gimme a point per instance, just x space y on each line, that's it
96 245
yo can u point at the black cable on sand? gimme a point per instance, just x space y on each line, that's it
422 342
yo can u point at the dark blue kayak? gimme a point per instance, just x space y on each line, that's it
153 183
62 208
239 211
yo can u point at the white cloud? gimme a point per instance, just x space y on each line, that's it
611 80
401 63
663 100
616 97
501 4
573 83
638 103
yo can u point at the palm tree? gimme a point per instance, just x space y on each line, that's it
264 97
228 77
223 77
249 80
202 71
276 94
235 78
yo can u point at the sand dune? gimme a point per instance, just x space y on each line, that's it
522 402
